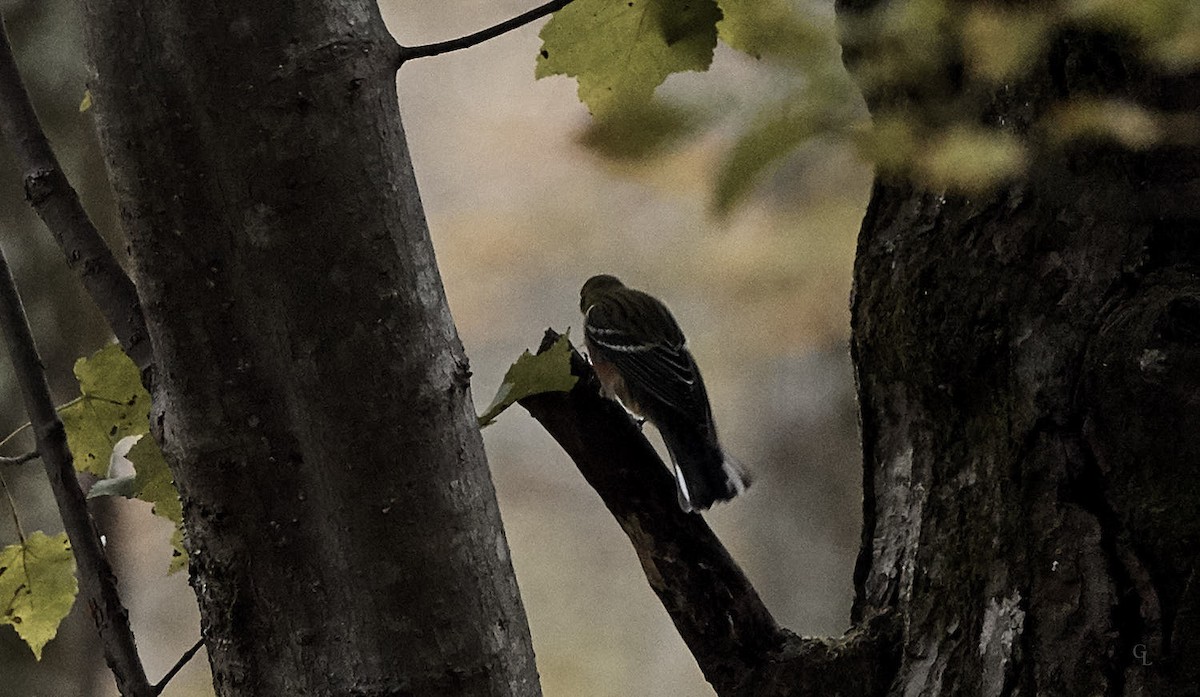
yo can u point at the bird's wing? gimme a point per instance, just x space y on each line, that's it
654 363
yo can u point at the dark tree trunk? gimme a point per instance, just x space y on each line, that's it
311 392
1028 367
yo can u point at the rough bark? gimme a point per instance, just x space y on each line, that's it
1026 367
311 392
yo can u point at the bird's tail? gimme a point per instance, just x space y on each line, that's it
704 474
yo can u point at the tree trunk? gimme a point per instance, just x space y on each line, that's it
1027 367
311 393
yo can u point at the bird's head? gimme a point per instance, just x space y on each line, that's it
594 288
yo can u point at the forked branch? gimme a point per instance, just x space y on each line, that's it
733 637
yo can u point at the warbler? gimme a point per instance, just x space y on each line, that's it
641 357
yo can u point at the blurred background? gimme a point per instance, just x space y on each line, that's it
523 207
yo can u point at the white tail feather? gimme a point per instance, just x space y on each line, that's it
736 474
685 497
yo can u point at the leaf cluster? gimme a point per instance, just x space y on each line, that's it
932 69
37 575
113 406
621 52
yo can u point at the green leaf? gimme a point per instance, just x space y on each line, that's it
1001 45
621 50
777 132
891 141
639 130
151 483
549 371
773 29
37 587
971 159
1148 20
112 404
1124 122
86 102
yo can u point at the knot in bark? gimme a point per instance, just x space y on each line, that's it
40 185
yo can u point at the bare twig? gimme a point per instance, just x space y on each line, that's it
96 579
57 203
183 661
407 53
20 459
12 508
20 429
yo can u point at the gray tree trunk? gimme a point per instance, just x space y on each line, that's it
1027 367
311 393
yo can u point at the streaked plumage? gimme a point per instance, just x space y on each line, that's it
641 357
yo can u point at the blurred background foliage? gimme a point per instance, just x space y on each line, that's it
734 195
935 70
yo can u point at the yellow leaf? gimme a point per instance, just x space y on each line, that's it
112 405
37 587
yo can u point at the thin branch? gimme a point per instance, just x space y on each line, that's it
20 429
58 205
12 508
20 459
99 586
407 53
183 661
